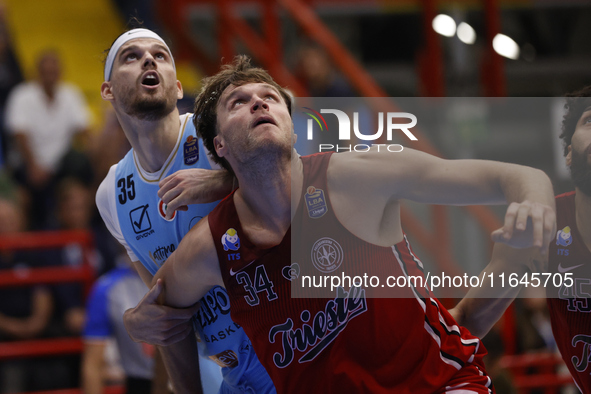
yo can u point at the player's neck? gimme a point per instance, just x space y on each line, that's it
265 201
152 141
583 213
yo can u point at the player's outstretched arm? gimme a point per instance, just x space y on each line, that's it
194 186
421 177
483 306
186 277
158 324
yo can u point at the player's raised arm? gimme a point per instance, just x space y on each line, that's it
421 177
191 270
483 306
186 276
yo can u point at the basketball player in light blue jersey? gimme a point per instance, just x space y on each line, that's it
140 82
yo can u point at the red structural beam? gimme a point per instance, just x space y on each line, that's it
44 239
40 347
430 62
314 28
106 390
50 275
493 68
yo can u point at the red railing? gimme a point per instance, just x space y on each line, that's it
536 371
51 275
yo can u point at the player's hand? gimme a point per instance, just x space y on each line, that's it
527 224
158 324
193 186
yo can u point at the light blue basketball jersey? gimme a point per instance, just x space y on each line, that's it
153 238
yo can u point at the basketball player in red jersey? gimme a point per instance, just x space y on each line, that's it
349 343
570 253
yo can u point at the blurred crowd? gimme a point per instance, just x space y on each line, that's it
50 166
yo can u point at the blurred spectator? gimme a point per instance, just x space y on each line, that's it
10 76
75 209
24 311
43 116
501 378
533 322
114 293
108 147
315 69
138 13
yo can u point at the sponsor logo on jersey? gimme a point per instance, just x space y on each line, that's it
315 202
140 221
245 347
191 150
327 255
215 303
232 272
161 253
291 272
227 358
581 363
162 208
562 269
564 237
317 332
230 240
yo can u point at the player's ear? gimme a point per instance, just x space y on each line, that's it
220 146
569 155
294 138
106 91
179 86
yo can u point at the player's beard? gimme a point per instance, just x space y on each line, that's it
151 108
580 171
261 156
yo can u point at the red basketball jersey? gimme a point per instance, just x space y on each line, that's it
570 307
349 343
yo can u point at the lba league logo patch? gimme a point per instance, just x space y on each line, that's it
315 202
191 150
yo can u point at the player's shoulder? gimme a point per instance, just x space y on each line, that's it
188 117
106 202
374 162
106 188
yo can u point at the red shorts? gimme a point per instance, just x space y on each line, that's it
469 380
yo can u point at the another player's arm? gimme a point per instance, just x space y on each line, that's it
93 363
194 186
483 306
37 175
375 179
186 277
32 325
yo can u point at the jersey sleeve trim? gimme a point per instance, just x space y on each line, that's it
107 207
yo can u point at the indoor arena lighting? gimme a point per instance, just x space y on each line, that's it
505 46
444 25
466 33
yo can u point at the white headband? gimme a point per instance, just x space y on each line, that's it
122 39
